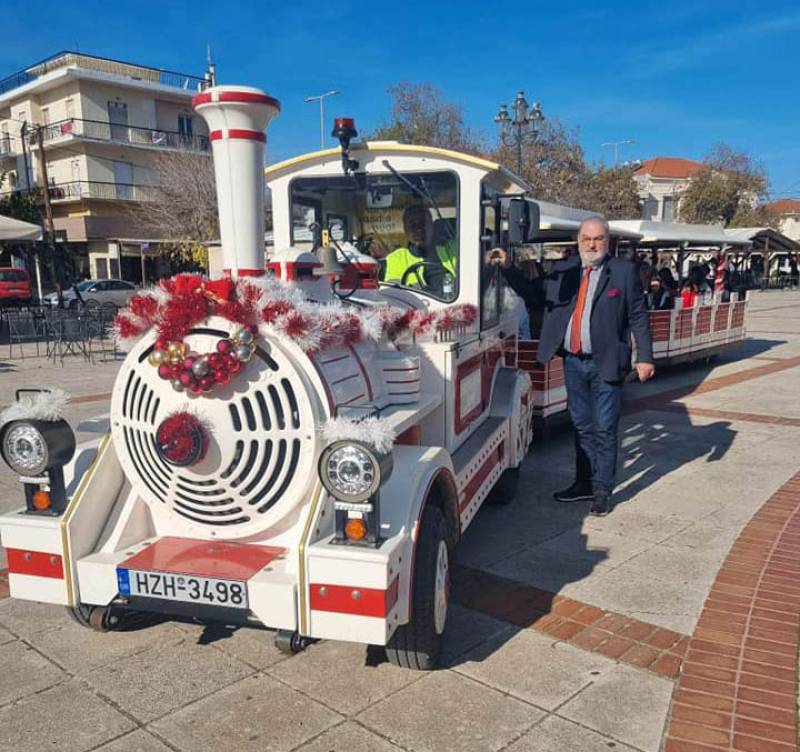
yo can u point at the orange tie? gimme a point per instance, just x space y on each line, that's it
575 332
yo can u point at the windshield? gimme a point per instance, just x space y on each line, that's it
408 222
13 275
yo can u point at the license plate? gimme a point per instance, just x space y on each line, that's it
182 587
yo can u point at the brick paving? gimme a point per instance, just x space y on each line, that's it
638 644
738 684
627 640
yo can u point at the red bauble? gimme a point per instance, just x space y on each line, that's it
224 346
165 371
214 360
187 363
181 439
221 376
234 365
206 383
187 379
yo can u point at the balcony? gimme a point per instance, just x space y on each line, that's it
108 66
130 135
92 189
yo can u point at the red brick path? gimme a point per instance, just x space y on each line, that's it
594 629
738 684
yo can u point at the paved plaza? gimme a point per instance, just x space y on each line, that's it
671 624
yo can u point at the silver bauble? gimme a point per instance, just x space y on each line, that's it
200 368
177 385
243 353
245 337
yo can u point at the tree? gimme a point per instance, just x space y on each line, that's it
183 213
421 115
613 192
729 190
555 167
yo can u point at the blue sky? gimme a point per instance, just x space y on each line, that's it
674 77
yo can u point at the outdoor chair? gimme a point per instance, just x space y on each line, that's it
71 338
23 328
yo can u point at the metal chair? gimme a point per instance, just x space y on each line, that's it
23 328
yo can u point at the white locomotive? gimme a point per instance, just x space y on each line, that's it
301 449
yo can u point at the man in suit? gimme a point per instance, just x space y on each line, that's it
592 302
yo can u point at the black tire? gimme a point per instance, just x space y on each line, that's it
81 614
504 491
417 644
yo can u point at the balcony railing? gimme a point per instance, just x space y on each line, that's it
127 134
92 189
102 65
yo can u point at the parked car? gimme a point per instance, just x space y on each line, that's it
15 286
104 292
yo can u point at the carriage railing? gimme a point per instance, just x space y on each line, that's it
683 334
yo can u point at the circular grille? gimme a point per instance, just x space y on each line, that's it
261 454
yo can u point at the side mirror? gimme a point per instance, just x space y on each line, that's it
523 221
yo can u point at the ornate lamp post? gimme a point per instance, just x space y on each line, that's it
520 129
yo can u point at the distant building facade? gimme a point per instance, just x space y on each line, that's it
788 211
103 124
661 181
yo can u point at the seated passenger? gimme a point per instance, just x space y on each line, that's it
422 262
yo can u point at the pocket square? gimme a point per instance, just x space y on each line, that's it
613 292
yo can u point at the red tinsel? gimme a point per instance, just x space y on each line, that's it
188 300
182 439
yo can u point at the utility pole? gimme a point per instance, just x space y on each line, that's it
48 213
616 145
321 99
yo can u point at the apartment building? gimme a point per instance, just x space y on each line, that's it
660 181
103 124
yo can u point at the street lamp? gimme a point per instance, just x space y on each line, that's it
520 129
321 99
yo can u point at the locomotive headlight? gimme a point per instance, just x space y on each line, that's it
25 449
31 447
352 471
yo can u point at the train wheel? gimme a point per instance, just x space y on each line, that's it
290 642
98 618
505 489
416 645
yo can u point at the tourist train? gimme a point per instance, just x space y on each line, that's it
302 446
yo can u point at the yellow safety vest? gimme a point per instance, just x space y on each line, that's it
401 259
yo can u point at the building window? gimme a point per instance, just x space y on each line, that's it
45 115
185 126
666 209
69 108
102 268
649 208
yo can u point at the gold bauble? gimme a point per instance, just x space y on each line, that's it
156 358
176 348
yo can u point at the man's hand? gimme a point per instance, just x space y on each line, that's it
645 371
498 257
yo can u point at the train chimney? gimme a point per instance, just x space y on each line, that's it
237 117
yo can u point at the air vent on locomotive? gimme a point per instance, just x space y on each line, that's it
261 440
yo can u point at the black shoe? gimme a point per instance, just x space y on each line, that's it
578 491
601 505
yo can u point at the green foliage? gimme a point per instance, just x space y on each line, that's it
23 206
729 190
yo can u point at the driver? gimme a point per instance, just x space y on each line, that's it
439 260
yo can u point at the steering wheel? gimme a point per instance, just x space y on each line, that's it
433 281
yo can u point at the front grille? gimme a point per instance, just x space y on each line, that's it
259 427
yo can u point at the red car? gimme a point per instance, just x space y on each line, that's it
15 286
